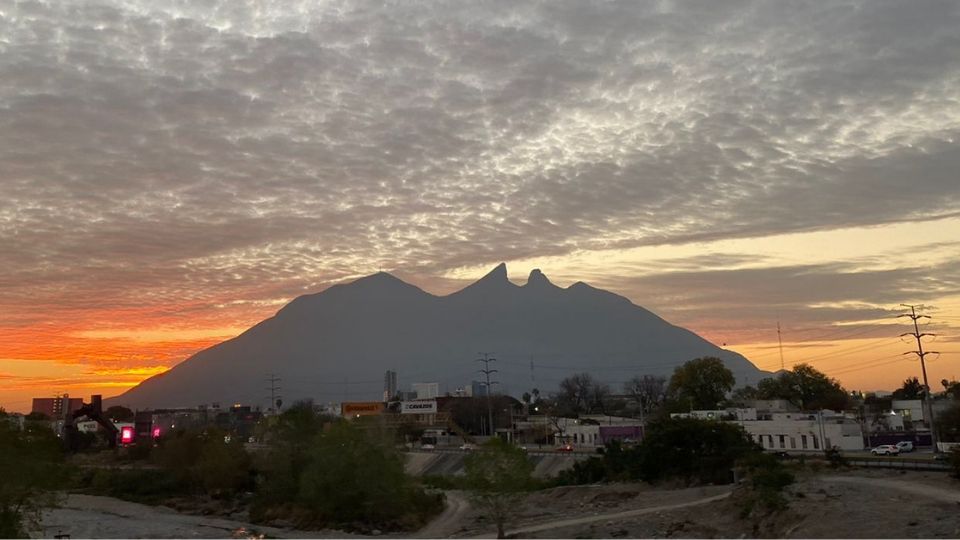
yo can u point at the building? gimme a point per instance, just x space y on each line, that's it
389 385
478 389
426 390
793 431
56 407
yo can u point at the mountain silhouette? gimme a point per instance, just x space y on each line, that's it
336 345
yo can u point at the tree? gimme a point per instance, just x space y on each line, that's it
119 413
574 394
648 391
703 451
497 475
806 388
912 389
744 395
352 476
31 469
951 388
702 383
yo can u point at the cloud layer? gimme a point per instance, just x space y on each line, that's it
160 158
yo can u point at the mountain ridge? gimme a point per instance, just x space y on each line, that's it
335 345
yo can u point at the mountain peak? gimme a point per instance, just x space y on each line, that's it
537 279
499 273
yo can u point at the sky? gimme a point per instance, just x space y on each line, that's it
172 172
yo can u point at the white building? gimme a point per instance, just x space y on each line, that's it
805 431
426 390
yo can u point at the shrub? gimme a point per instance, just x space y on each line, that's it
31 467
343 477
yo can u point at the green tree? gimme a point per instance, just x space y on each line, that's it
31 468
702 383
352 476
697 451
912 388
806 388
119 413
498 474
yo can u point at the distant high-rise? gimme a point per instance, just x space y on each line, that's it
389 385
478 389
426 390
56 407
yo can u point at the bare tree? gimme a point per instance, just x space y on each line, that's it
599 395
575 393
648 391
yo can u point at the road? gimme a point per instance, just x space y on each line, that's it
607 517
450 520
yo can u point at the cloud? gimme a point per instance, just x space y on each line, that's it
161 158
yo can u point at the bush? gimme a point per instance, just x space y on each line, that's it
344 477
835 457
31 468
953 458
203 462
767 477
145 486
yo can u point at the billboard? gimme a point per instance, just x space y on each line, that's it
418 407
361 408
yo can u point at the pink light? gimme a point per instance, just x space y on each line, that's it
156 432
126 434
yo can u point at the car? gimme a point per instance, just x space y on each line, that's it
905 446
467 447
427 447
885 450
565 448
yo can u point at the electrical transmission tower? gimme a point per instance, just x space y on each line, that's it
487 371
274 389
921 354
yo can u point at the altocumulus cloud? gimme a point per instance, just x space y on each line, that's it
194 151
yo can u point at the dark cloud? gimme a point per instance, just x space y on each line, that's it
186 153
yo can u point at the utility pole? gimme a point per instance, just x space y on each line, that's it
487 371
780 341
273 380
921 354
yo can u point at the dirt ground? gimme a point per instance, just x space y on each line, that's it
875 503
829 504
89 516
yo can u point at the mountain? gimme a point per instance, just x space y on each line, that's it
336 345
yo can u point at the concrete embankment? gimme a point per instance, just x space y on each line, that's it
451 462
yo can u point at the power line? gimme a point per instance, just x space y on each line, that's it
921 354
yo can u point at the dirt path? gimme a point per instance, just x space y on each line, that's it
88 516
607 517
450 520
916 488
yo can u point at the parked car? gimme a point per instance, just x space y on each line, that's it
565 448
467 446
885 450
427 447
905 446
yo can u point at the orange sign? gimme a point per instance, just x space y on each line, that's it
361 408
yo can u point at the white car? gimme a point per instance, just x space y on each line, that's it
905 446
427 446
467 446
885 450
